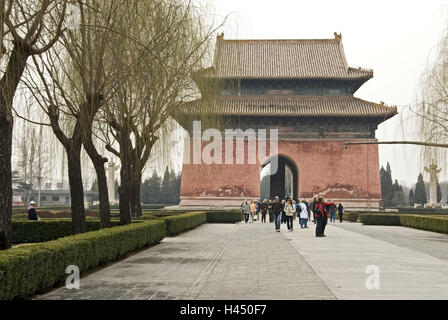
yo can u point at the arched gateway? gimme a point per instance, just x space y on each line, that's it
279 176
302 88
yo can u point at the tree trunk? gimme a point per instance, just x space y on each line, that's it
8 86
103 194
98 162
123 190
6 125
136 206
76 189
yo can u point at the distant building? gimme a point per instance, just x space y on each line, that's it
17 196
51 197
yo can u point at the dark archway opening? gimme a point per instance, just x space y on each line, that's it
279 176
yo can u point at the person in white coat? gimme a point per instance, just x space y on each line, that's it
289 210
303 215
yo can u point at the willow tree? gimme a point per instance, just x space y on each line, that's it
165 41
75 79
27 28
431 109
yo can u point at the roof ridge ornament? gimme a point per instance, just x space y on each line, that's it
220 36
338 36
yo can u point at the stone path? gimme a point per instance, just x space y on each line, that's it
251 261
341 260
214 261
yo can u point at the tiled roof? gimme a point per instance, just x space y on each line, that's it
285 59
345 106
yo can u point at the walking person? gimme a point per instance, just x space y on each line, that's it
246 210
264 210
308 208
303 214
340 211
289 213
320 215
32 214
271 215
253 210
283 211
313 208
277 212
332 210
295 204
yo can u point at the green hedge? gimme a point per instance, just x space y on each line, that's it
29 269
25 231
429 223
422 210
224 216
144 206
180 223
21 209
380 219
351 216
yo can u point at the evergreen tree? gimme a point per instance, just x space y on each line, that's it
166 186
420 192
386 185
439 192
411 197
157 190
398 197
150 192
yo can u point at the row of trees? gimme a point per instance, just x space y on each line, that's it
420 193
165 190
155 189
103 72
393 193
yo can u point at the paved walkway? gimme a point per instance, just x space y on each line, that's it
251 261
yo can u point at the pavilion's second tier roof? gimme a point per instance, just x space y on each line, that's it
296 106
282 59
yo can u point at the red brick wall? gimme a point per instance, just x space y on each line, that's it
325 168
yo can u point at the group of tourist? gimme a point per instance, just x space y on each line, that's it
286 211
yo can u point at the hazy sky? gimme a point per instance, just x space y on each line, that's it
395 38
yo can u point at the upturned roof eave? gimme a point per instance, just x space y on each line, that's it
387 111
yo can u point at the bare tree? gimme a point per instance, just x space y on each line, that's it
166 41
75 80
23 24
431 109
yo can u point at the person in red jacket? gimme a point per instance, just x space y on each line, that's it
321 215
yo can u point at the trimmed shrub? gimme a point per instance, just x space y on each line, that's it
430 223
224 216
144 206
180 223
351 216
421 210
423 222
25 231
31 268
380 219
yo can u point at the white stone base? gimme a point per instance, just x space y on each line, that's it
224 203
